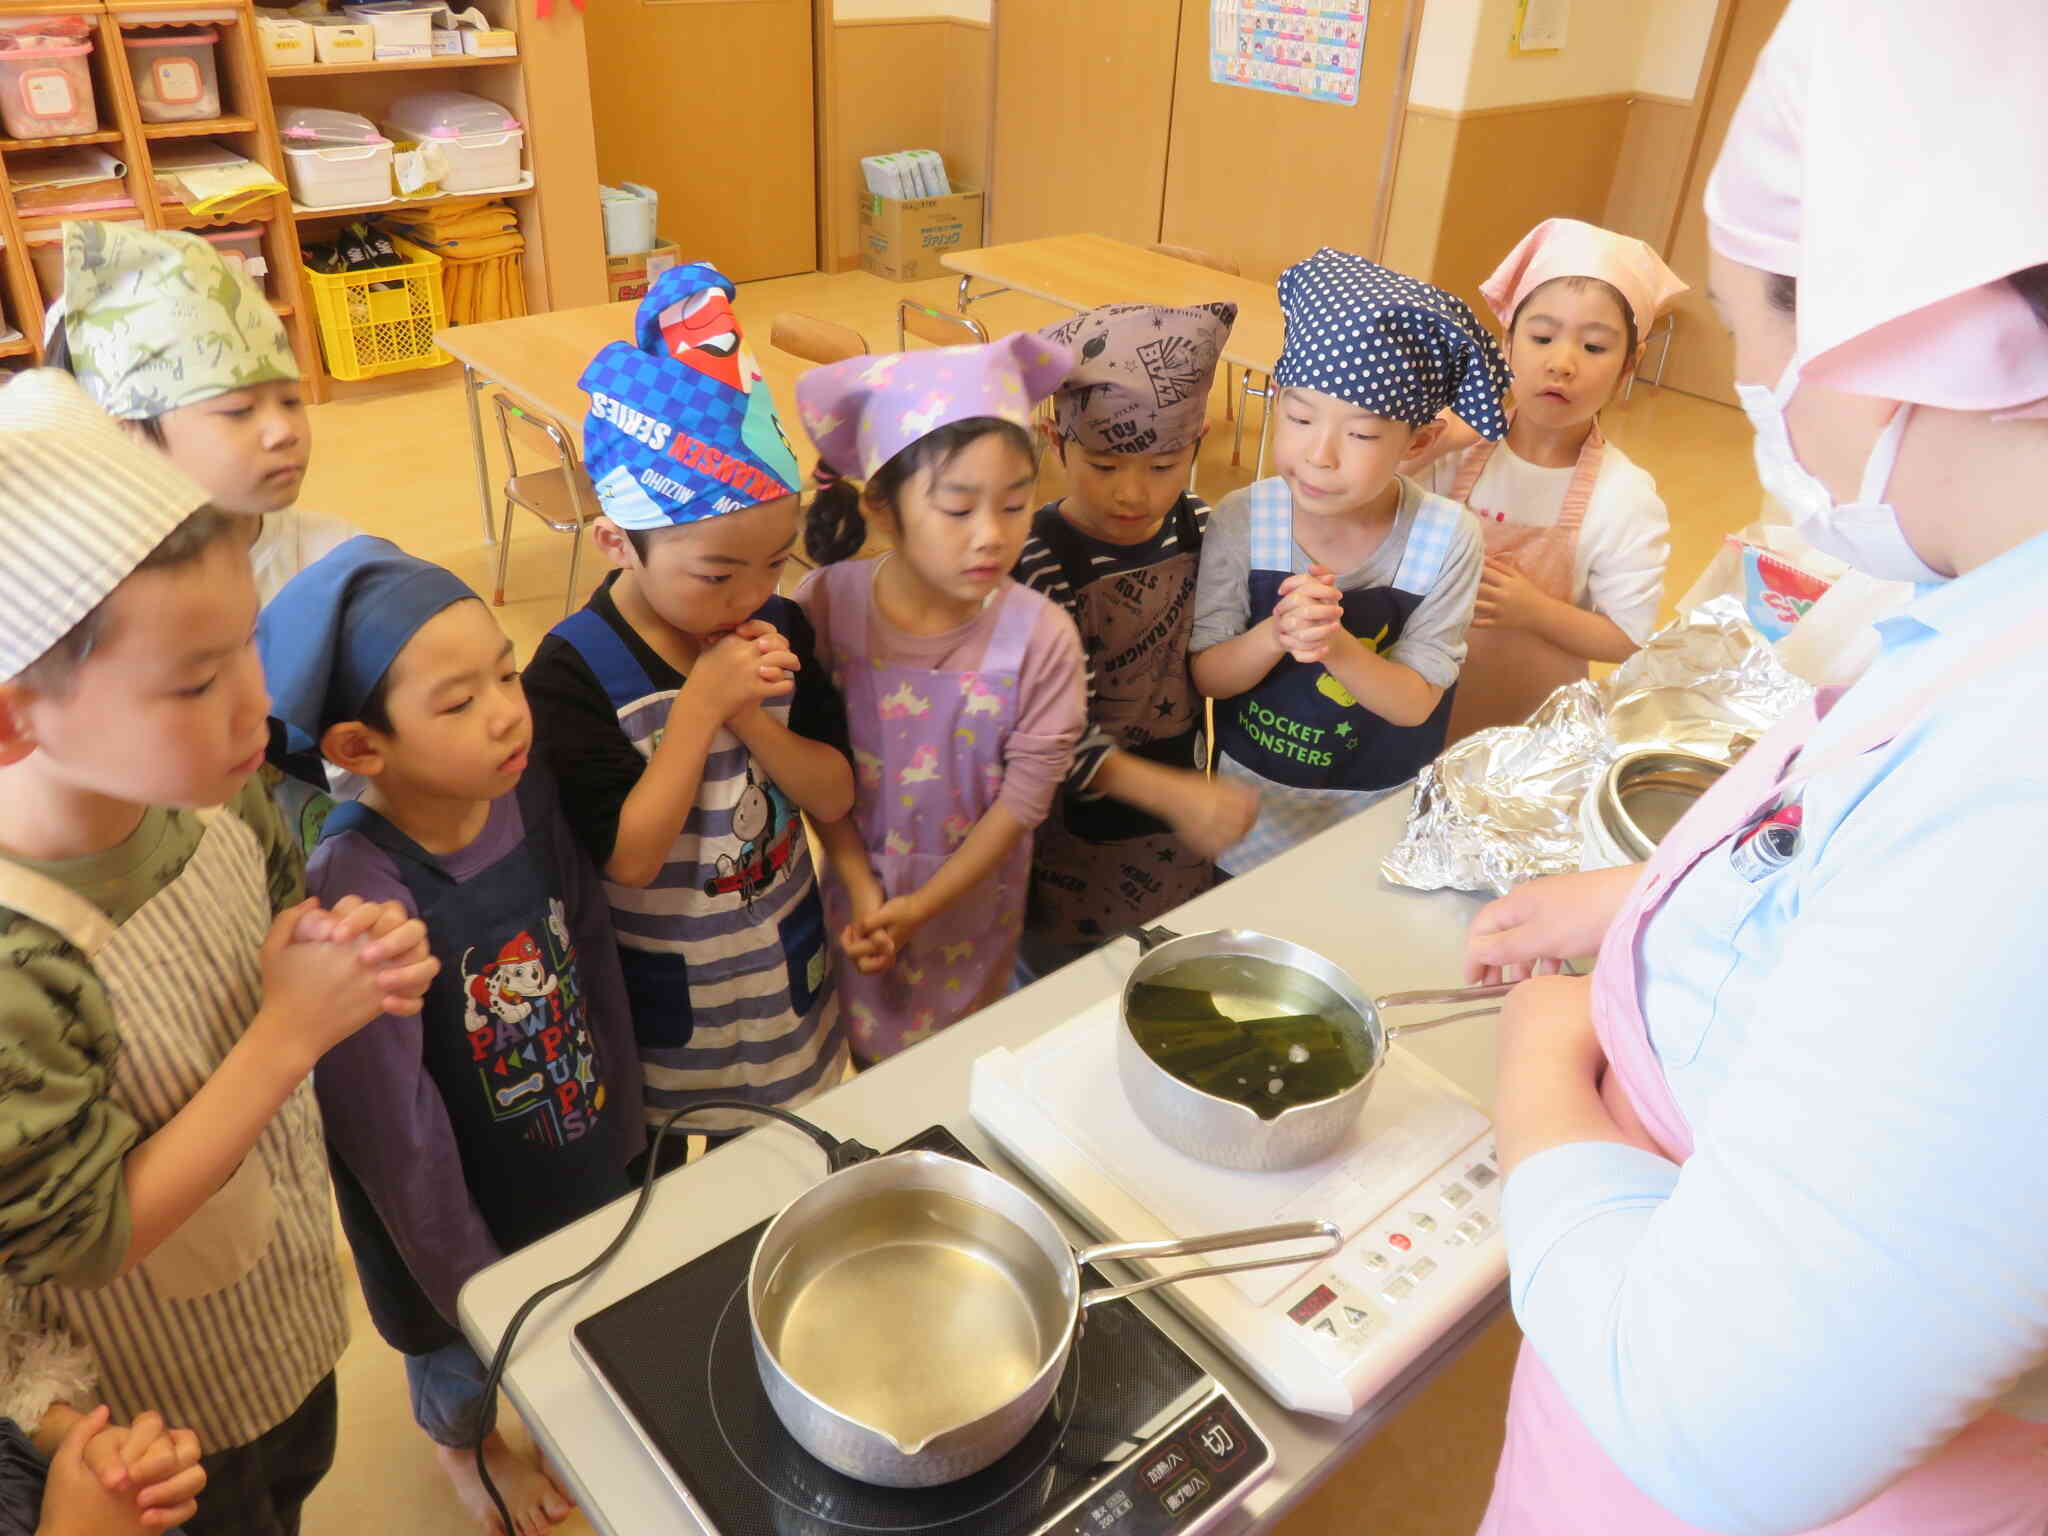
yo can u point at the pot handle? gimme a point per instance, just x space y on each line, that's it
1149 939
1251 1237
1449 995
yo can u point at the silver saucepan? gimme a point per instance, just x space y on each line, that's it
1218 1123
912 1315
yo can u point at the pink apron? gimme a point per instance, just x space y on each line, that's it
1553 1476
928 761
1509 672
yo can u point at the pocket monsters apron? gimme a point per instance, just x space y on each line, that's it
731 934
1299 726
236 1317
1099 866
1989 1480
520 1075
929 764
1508 673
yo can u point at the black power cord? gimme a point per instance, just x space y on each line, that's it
838 1154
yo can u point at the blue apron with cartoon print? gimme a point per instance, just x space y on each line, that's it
1300 726
507 1041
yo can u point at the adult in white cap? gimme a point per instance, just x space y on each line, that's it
1776 1174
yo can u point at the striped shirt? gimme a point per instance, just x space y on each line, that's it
235 1318
725 949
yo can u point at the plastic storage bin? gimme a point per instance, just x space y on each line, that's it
381 320
337 41
482 140
242 248
403 31
286 42
176 79
46 92
334 159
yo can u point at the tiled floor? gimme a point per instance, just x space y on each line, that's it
400 466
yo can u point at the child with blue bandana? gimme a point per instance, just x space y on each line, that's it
686 720
515 1090
1333 598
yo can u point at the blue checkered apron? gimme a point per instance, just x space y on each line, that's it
1314 753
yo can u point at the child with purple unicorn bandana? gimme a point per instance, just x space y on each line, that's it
964 690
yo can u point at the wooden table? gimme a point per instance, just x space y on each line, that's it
536 359
1088 271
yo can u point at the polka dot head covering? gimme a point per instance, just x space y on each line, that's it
1387 343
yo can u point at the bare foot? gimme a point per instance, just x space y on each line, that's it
529 1493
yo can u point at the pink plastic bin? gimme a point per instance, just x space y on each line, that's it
46 92
176 77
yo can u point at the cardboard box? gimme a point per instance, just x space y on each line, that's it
491 43
902 239
629 277
447 43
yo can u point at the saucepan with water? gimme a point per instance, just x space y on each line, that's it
1253 1052
912 1315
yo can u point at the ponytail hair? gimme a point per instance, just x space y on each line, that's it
836 526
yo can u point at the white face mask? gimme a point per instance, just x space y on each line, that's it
1864 532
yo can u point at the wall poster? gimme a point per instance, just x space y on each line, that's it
1307 48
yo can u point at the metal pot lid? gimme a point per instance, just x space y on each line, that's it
1645 793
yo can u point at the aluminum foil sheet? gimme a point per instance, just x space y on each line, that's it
1501 806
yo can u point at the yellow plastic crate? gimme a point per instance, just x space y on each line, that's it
382 320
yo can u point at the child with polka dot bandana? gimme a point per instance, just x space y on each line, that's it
1333 598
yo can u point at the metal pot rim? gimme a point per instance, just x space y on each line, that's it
1614 812
920 1161
1339 982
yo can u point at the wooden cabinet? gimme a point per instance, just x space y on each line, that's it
245 123
546 87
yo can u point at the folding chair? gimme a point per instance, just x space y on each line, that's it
814 340
560 495
936 326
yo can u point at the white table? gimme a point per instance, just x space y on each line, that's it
1327 894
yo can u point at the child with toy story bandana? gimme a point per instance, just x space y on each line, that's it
688 724
172 338
1333 599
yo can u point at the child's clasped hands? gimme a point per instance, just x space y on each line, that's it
107 1479
743 669
1309 614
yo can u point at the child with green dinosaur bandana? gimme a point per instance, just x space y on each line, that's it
173 339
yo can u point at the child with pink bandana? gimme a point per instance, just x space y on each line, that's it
1576 535
964 690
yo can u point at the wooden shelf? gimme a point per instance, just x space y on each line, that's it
178 216
399 204
32 221
104 136
379 66
199 128
21 346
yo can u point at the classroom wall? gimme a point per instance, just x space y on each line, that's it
962 10
1494 141
1463 62
902 81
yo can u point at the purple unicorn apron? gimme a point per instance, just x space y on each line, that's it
1553 1476
928 759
